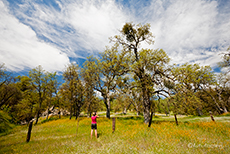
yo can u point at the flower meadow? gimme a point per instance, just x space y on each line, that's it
131 135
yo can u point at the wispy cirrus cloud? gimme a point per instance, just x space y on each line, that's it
20 48
75 26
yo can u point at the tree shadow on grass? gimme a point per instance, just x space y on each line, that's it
99 134
130 118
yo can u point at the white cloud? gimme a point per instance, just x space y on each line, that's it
189 31
20 48
77 26
95 22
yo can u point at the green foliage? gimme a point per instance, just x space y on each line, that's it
137 34
72 91
105 72
9 92
5 123
190 80
147 67
92 102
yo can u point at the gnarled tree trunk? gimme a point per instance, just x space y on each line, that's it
146 110
107 104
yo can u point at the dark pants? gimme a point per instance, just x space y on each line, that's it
93 126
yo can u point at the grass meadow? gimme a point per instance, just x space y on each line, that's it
192 135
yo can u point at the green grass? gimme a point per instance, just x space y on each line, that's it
131 136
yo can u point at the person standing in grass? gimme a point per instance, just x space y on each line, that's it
94 124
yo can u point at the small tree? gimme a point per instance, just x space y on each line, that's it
26 108
190 79
73 89
38 81
8 89
104 73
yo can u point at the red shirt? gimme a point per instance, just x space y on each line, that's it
94 121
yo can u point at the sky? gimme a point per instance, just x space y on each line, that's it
54 33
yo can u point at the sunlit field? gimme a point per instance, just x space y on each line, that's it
131 136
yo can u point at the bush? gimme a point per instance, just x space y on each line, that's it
5 124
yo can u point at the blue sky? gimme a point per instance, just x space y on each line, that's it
53 33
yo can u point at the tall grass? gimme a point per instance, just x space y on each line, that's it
131 136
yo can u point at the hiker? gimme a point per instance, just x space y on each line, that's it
94 124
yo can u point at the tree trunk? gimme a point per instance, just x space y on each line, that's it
146 115
40 106
74 110
146 111
47 116
59 113
176 119
49 104
225 109
199 112
107 104
125 111
137 108
77 113
150 121
29 131
146 104
37 116
39 109
108 112
219 110
221 101
70 113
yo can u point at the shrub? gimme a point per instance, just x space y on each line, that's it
5 124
